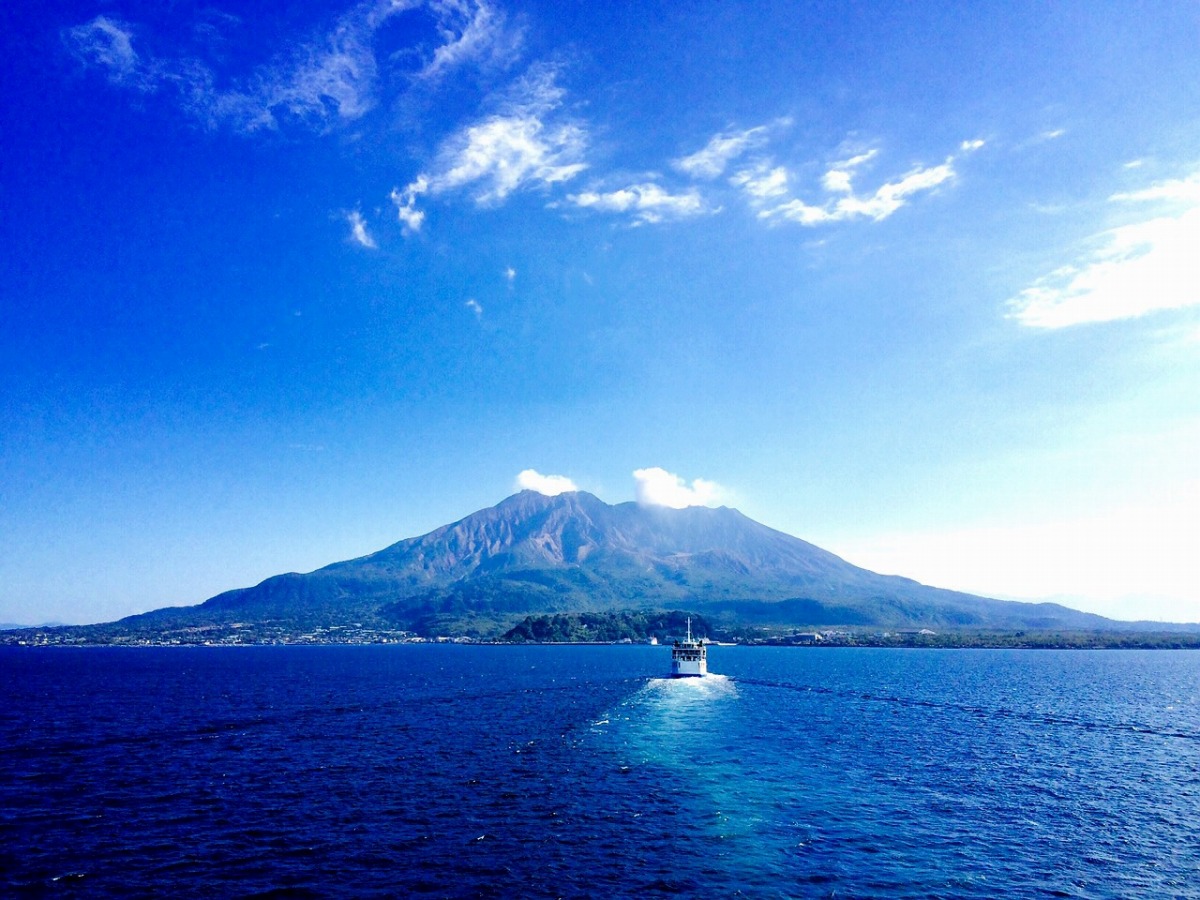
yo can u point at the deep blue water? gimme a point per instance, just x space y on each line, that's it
576 772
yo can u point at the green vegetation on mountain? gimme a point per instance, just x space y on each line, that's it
609 627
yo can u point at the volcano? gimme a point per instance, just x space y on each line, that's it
534 554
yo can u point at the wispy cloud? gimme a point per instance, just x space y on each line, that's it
475 307
1042 137
471 30
891 196
550 485
1129 271
879 205
1180 190
506 153
358 230
710 161
838 179
331 79
107 43
510 274
767 185
763 182
647 203
658 487
406 204
526 144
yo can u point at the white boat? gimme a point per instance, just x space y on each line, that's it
689 658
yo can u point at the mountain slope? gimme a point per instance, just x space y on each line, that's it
532 554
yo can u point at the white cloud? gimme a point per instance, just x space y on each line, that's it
510 274
1180 190
475 307
108 43
1042 137
891 196
648 203
519 147
550 485
1132 270
406 204
763 182
799 211
971 146
334 78
473 30
846 204
838 179
331 79
658 487
721 149
358 230
506 153
857 160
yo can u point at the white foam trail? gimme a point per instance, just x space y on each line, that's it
710 683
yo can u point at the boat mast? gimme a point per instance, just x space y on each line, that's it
689 629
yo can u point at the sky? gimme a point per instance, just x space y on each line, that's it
284 283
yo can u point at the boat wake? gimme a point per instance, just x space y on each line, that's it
711 685
667 713
682 740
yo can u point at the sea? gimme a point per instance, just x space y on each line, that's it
579 771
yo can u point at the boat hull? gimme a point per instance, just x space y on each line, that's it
689 668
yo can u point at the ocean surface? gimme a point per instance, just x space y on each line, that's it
458 771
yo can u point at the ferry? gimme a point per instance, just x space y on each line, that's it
689 658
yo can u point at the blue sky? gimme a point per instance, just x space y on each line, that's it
284 283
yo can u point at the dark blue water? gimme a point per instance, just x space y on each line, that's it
450 771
